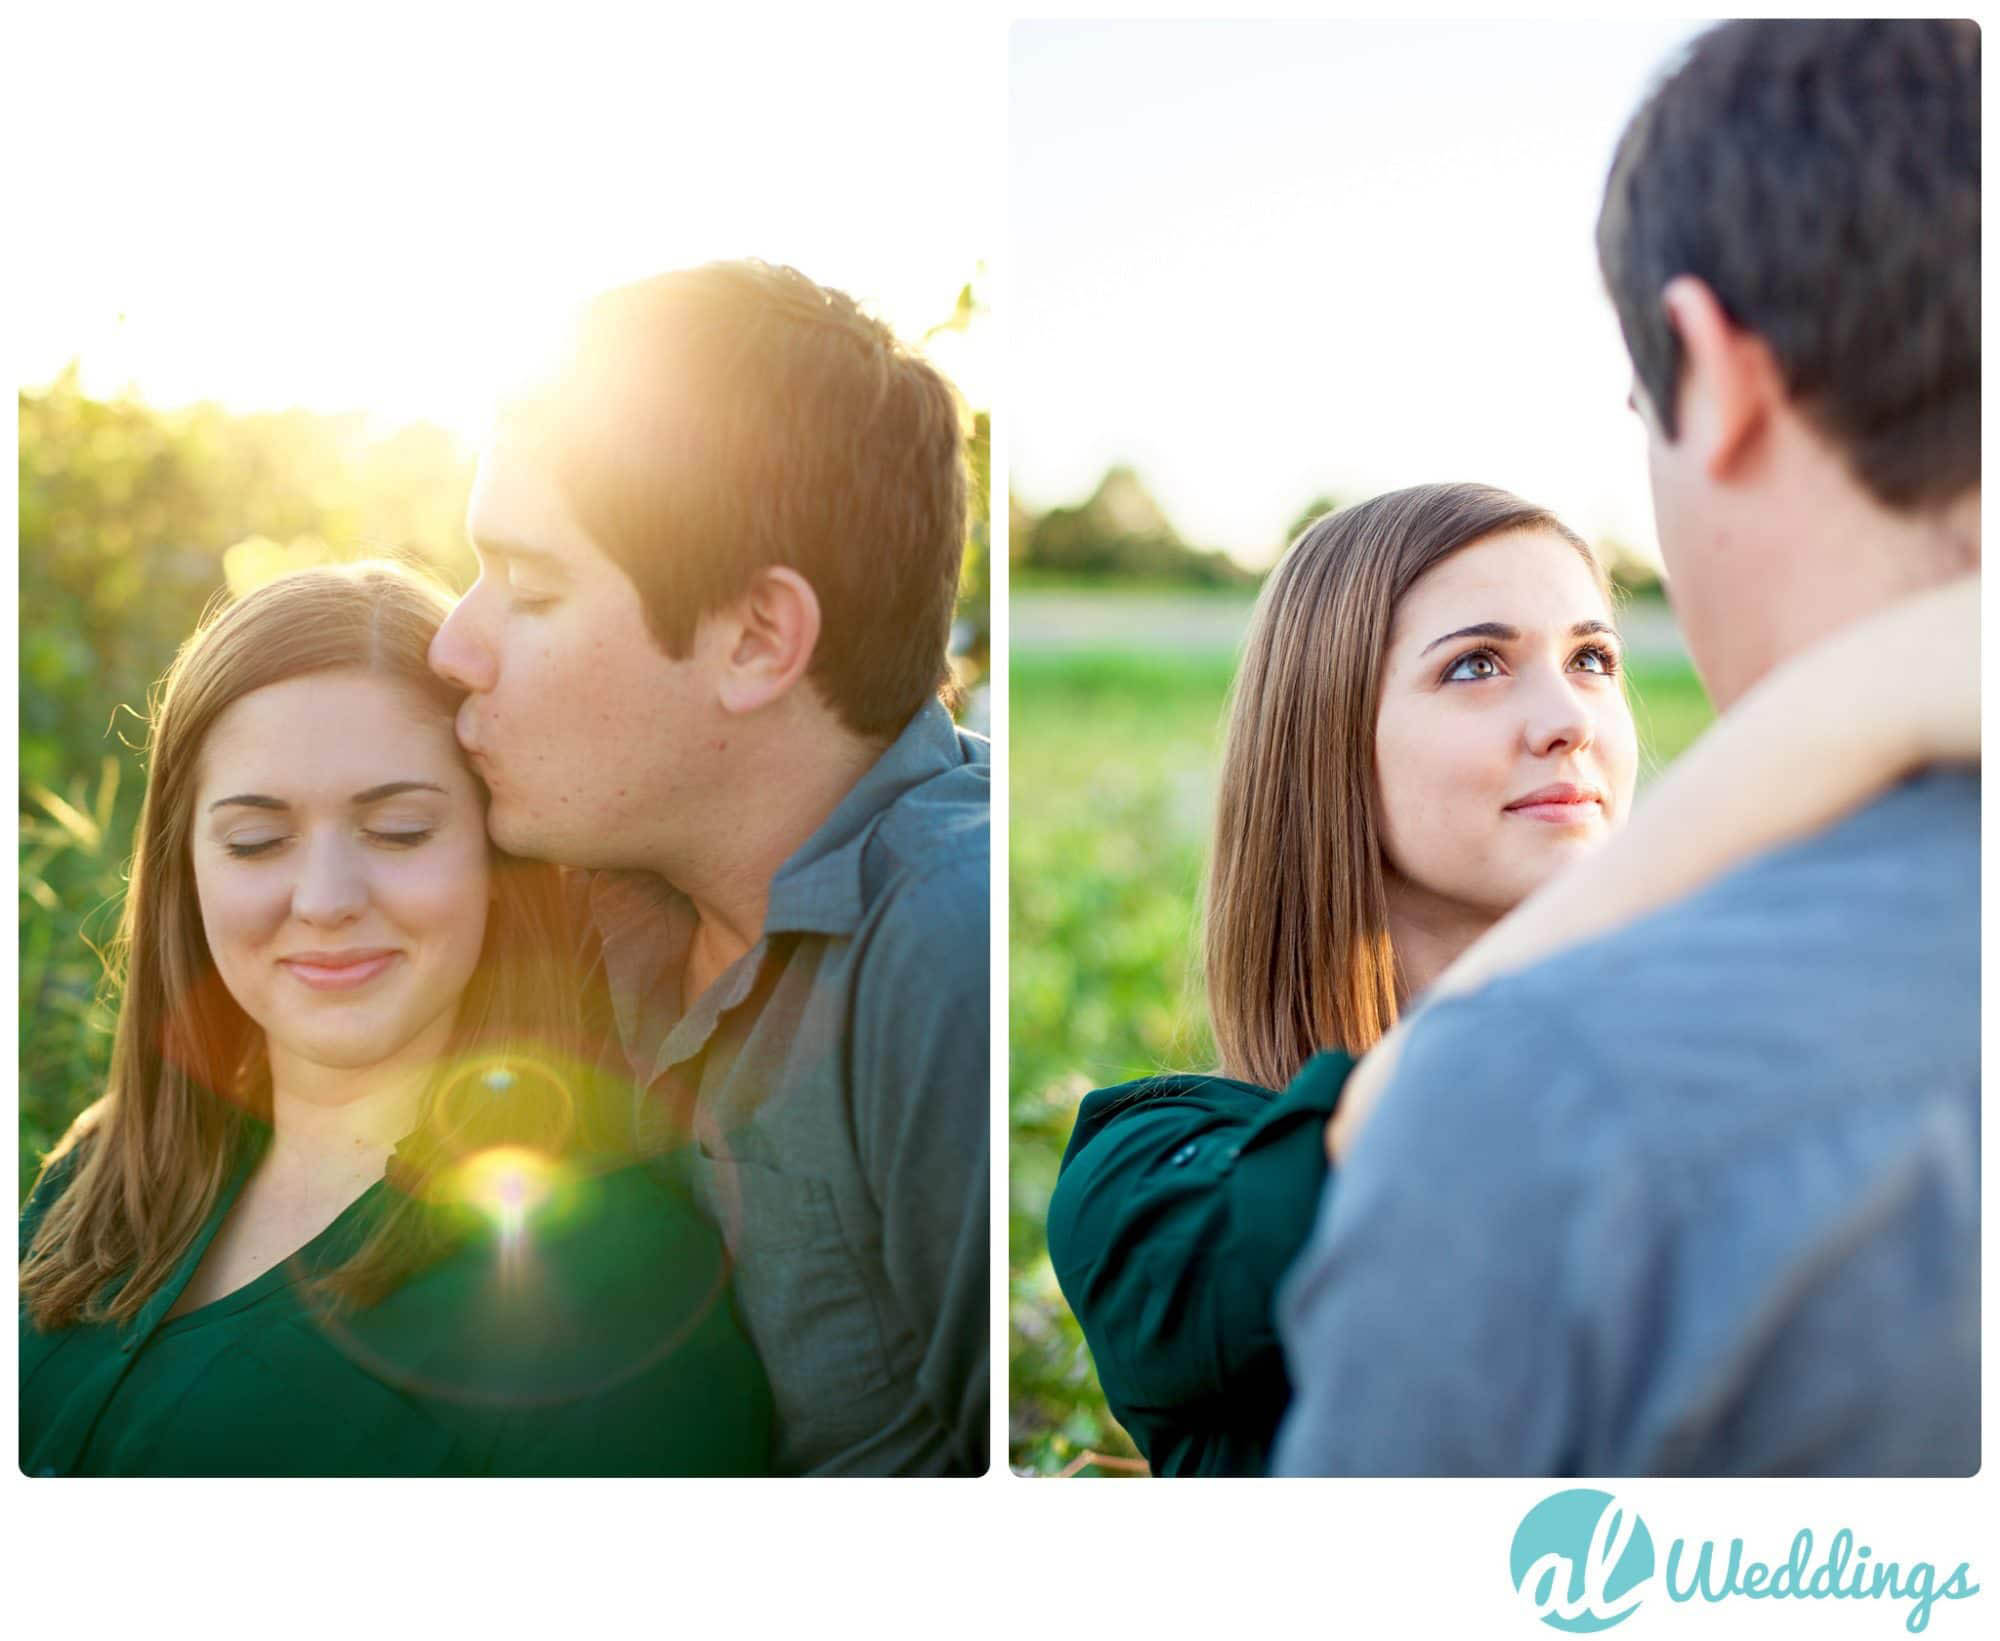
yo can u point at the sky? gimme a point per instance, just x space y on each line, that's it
1261 261
389 208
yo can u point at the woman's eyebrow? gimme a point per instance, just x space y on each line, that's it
390 789
374 794
1479 629
1500 632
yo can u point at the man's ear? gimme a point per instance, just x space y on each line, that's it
1730 386
774 631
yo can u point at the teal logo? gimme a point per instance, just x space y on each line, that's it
1581 1560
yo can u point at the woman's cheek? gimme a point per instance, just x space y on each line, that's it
444 896
1622 736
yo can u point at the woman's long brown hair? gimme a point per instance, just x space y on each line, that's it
1296 948
188 1071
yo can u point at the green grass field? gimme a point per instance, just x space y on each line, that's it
1112 788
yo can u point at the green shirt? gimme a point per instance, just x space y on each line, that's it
600 1340
1180 1204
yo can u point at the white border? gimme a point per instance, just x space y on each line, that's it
894 1557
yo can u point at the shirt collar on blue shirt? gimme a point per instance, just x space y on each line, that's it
818 890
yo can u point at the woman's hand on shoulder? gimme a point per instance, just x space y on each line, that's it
1358 1097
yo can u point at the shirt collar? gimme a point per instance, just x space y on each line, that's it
818 890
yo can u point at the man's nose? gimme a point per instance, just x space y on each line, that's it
332 886
459 652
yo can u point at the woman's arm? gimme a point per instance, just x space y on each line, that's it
1180 1203
1815 738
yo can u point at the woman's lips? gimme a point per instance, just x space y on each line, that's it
1568 813
342 971
1560 805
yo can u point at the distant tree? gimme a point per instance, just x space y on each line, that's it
1120 531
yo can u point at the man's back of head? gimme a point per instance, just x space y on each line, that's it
1790 235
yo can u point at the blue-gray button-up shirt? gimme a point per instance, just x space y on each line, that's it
1698 1198
835 1080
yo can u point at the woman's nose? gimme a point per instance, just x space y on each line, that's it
1558 719
332 887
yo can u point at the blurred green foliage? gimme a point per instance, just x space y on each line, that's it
128 514
1113 755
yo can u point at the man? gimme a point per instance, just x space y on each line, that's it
719 546
1703 1196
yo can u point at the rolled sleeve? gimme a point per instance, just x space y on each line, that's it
1171 1223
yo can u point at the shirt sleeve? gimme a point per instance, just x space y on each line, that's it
921 1072
1170 1227
1427 1327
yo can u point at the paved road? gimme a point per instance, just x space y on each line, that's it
1050 620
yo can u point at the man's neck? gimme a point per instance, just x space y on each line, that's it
780 797
1829 556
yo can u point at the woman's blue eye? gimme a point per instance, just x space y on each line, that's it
1606 659
1473 668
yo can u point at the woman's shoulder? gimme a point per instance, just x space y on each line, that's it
1201 1100
1191 1093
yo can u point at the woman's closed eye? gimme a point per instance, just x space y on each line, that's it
384 837
399 837
251 848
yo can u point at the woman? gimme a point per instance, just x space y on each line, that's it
347 1205
1427 728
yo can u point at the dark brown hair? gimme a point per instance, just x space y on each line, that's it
188 1069
704 424
1822 179
1296 945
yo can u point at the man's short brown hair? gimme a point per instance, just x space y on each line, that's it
1822 179
707 423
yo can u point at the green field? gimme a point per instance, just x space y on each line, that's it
1112 786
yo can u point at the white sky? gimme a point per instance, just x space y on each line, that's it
373 207
1261 260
